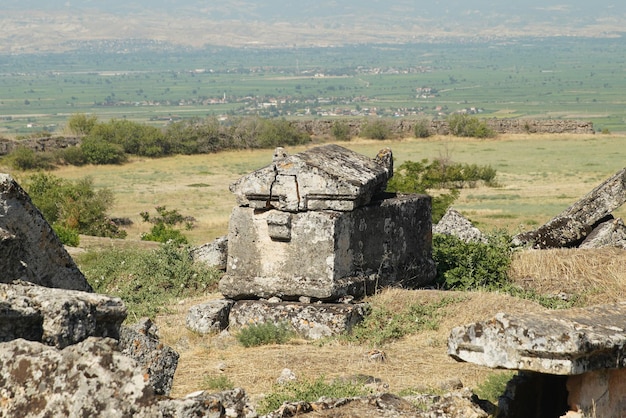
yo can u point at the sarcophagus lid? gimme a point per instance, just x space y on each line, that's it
326 177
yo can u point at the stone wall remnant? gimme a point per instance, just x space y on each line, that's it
573 225
29 248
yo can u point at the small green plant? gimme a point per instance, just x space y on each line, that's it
341 130
165 223
422 129
217 383
310 391
494 386
67 236
472 265
147 280
264 333
382 325
469 126
376 129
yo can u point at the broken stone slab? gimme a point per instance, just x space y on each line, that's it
566 342
209 317
312 321
213 254
330 254
611 233
454 223
93 379
57 317
571 227
325 177
29 248
140 341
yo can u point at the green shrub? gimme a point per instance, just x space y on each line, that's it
147 280
472 265
81 124
99 151
422 129
67 236
341 130
376 129
469 126
423 176
23 158
165 223
73 205
71 155
310 391
382 325
264 333
278 133
217 383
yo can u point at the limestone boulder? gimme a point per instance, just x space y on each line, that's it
57 317
573 225
29 248
308 320
213 254
209 317
611 233
567 342
140 341
454 223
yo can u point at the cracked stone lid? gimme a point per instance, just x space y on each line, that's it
326 177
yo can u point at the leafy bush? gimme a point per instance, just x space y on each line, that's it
310 391
23 158
376 129
469 126
472 265
341 130
73 205
67 236
279 132
71 155
422 129
147 280
164 228
422 176
81 124
263 334
99 151
383 325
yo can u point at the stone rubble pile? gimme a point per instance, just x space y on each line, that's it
63 350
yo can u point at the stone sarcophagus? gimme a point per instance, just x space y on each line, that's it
318 225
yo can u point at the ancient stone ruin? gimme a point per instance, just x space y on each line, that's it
571 360
318 227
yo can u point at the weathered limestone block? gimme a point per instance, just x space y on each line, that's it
325 177
454 223
309 320
93 379
29 248
601 392
330 254
611 233
571 227
566 342
208 317
213 254
57 317
140 341
90 379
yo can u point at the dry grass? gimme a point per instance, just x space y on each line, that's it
598 275
416 362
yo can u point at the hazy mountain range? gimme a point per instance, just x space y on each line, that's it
44 25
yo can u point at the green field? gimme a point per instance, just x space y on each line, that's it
556 78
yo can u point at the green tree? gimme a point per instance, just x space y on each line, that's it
81 124
376 129
469 126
